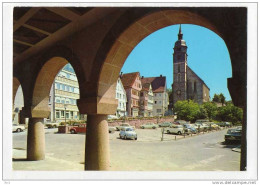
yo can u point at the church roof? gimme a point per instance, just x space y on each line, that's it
188 68
158 83
128 79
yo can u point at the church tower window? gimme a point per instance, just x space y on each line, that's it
179 68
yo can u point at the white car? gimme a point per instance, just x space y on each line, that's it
175 129
123 125
52 125
18 128
128 133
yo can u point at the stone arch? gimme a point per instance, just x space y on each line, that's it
16 84
49 66
129 30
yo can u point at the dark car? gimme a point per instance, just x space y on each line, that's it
189 129
233 135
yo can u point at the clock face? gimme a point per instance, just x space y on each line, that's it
179 92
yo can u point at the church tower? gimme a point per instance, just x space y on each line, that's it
179 87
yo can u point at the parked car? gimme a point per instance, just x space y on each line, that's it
149 125
201 126
175 129
112 117
224 124
111 129
233 135
165 124
201 120
82 128
215 126
128 133
123 125
18 128
52 125
190 128
181 122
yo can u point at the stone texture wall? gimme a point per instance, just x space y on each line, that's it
137 122
197 95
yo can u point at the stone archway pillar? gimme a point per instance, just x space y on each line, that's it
36 140
97 155
97 143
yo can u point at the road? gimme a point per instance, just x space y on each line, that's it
205 152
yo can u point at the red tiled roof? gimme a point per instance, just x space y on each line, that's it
158 83
128 79
145 86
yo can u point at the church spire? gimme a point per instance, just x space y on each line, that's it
180 34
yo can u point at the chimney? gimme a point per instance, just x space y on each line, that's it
142 77
160 75
121 74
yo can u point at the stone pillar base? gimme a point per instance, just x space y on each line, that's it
97 143
35 140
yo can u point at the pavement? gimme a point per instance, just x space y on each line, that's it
75 162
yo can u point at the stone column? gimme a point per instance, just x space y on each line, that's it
35 140
97 143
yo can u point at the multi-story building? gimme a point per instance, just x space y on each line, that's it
160 95
63 96
186 83
122 99
133 86
146 100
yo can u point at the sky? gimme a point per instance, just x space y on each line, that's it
208 56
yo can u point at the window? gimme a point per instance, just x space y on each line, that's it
57 114
63 101
72 89
62 113
71 114
155 94
57 99
160 102
160 94
57 85
158 110
155 102
67 114
141 94
179 68
195 86
68 75
63 87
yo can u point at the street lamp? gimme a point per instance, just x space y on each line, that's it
65 107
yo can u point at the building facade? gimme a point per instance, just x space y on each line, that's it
63 96
186 83
160 95
122 99
132 85
146 100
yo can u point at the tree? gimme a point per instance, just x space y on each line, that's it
211 109
230 113
187 110
222 98
216 98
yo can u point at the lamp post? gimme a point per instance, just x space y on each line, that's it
65 107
